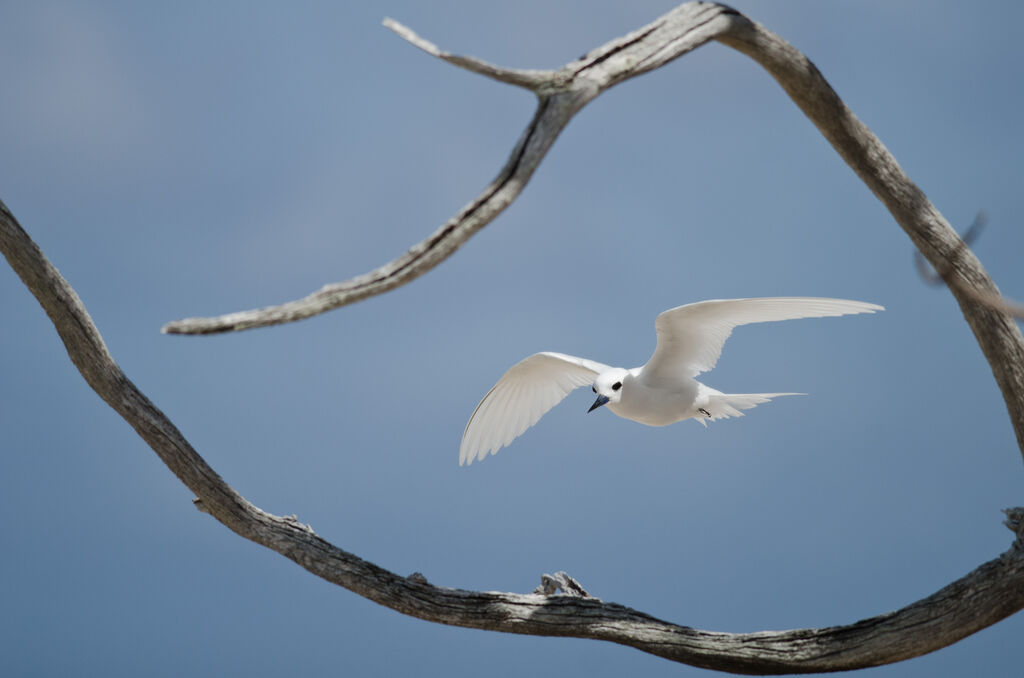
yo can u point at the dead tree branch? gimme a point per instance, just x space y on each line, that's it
561 94
996 331
564 92
991 592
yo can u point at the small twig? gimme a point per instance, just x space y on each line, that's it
550 584
562 94
527 78
984 596
1015 522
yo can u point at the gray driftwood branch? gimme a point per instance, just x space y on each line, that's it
984 596
563 92
990 593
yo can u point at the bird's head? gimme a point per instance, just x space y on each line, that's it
608 387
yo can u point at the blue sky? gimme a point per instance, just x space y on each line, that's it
199 158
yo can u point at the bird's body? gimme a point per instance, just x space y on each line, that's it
654 405
661 405
662 392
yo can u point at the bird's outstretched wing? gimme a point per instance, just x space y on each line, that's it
520 398
690 337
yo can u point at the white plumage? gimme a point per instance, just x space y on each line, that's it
664 391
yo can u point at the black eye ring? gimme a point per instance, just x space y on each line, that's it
593 389
616 386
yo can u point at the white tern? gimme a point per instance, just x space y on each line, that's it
662 392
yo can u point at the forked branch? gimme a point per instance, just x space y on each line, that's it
561 93
565 91
991 592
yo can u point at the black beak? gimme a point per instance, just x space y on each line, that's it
601 400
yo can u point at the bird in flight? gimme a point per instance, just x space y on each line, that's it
662 392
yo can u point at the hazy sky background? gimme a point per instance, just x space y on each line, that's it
195 158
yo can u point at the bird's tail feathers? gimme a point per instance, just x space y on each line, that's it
726 405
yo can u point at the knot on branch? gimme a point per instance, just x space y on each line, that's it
293 520
418 578
550 584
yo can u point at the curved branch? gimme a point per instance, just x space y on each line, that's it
562 94
988 594
992 592
995 330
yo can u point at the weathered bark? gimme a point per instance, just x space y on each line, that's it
561 94
565 91
991 592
